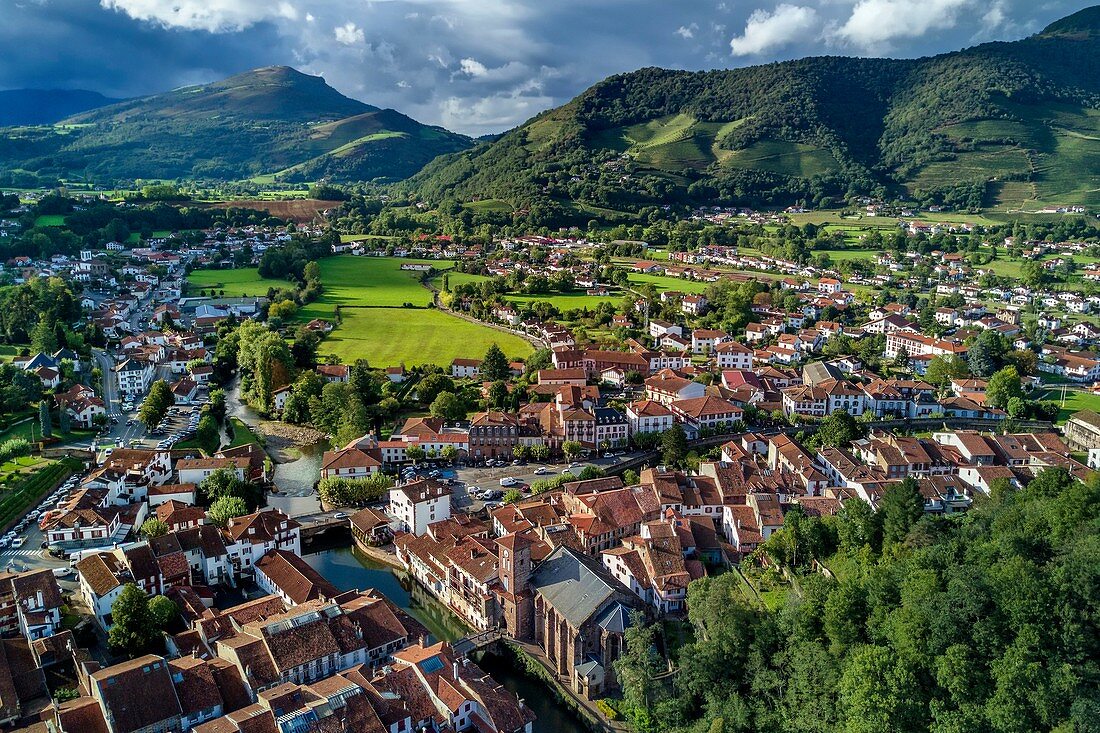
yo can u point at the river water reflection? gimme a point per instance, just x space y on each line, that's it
347 568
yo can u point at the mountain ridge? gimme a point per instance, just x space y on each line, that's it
273 122
1001 123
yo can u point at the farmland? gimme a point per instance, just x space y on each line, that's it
301 211
351 282
662 282
370 292
245 282
567 302
391 336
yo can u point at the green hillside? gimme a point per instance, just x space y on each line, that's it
1002 124
262 122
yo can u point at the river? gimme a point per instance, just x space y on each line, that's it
348 569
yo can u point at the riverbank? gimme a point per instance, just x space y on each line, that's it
285 442
349 568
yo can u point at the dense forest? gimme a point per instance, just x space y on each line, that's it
983 621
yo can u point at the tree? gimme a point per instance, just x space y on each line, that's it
216 405
1026 361
64 422
44 421
494 366
837 430
902 506
448 406
44 337
224 482
986 353
156 404
225 508
512 495
430 387
540 452
630 477
449 453
942 369
137 621
498 395
162 611
674 447
154 527
1003 386
414 453
571 449
207 434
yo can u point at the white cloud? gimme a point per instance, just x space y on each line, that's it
874 23
766 31
473 67
349 34
216 16
687 31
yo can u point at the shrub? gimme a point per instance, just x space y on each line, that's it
343 492
14 448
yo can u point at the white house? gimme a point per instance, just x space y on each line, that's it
419 503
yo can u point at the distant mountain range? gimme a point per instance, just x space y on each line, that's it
46 106
1008 124
274 123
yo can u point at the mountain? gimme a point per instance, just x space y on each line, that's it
1004 124
275 122
46 106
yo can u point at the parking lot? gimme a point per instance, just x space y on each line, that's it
22 547
475 487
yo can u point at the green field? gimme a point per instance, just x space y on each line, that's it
245 282
663 282
675 142
390 336
567 302
459 278
50 220
1074 401
349 281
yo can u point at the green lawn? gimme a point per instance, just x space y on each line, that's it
351 281
390 336
567 302
663 282
459 278
1074 401
242 434
245 282
50 220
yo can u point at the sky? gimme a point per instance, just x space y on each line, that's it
474 66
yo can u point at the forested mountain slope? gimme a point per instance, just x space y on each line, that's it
1010 123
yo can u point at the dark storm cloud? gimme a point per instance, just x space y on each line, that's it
473 65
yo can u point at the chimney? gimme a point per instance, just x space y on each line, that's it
454 669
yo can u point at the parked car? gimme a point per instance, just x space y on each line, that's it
542 470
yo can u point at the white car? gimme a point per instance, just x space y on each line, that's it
508 481
541 470
18 542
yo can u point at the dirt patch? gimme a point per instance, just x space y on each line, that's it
300 211
283 440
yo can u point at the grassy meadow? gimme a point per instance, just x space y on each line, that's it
391 336
245 282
